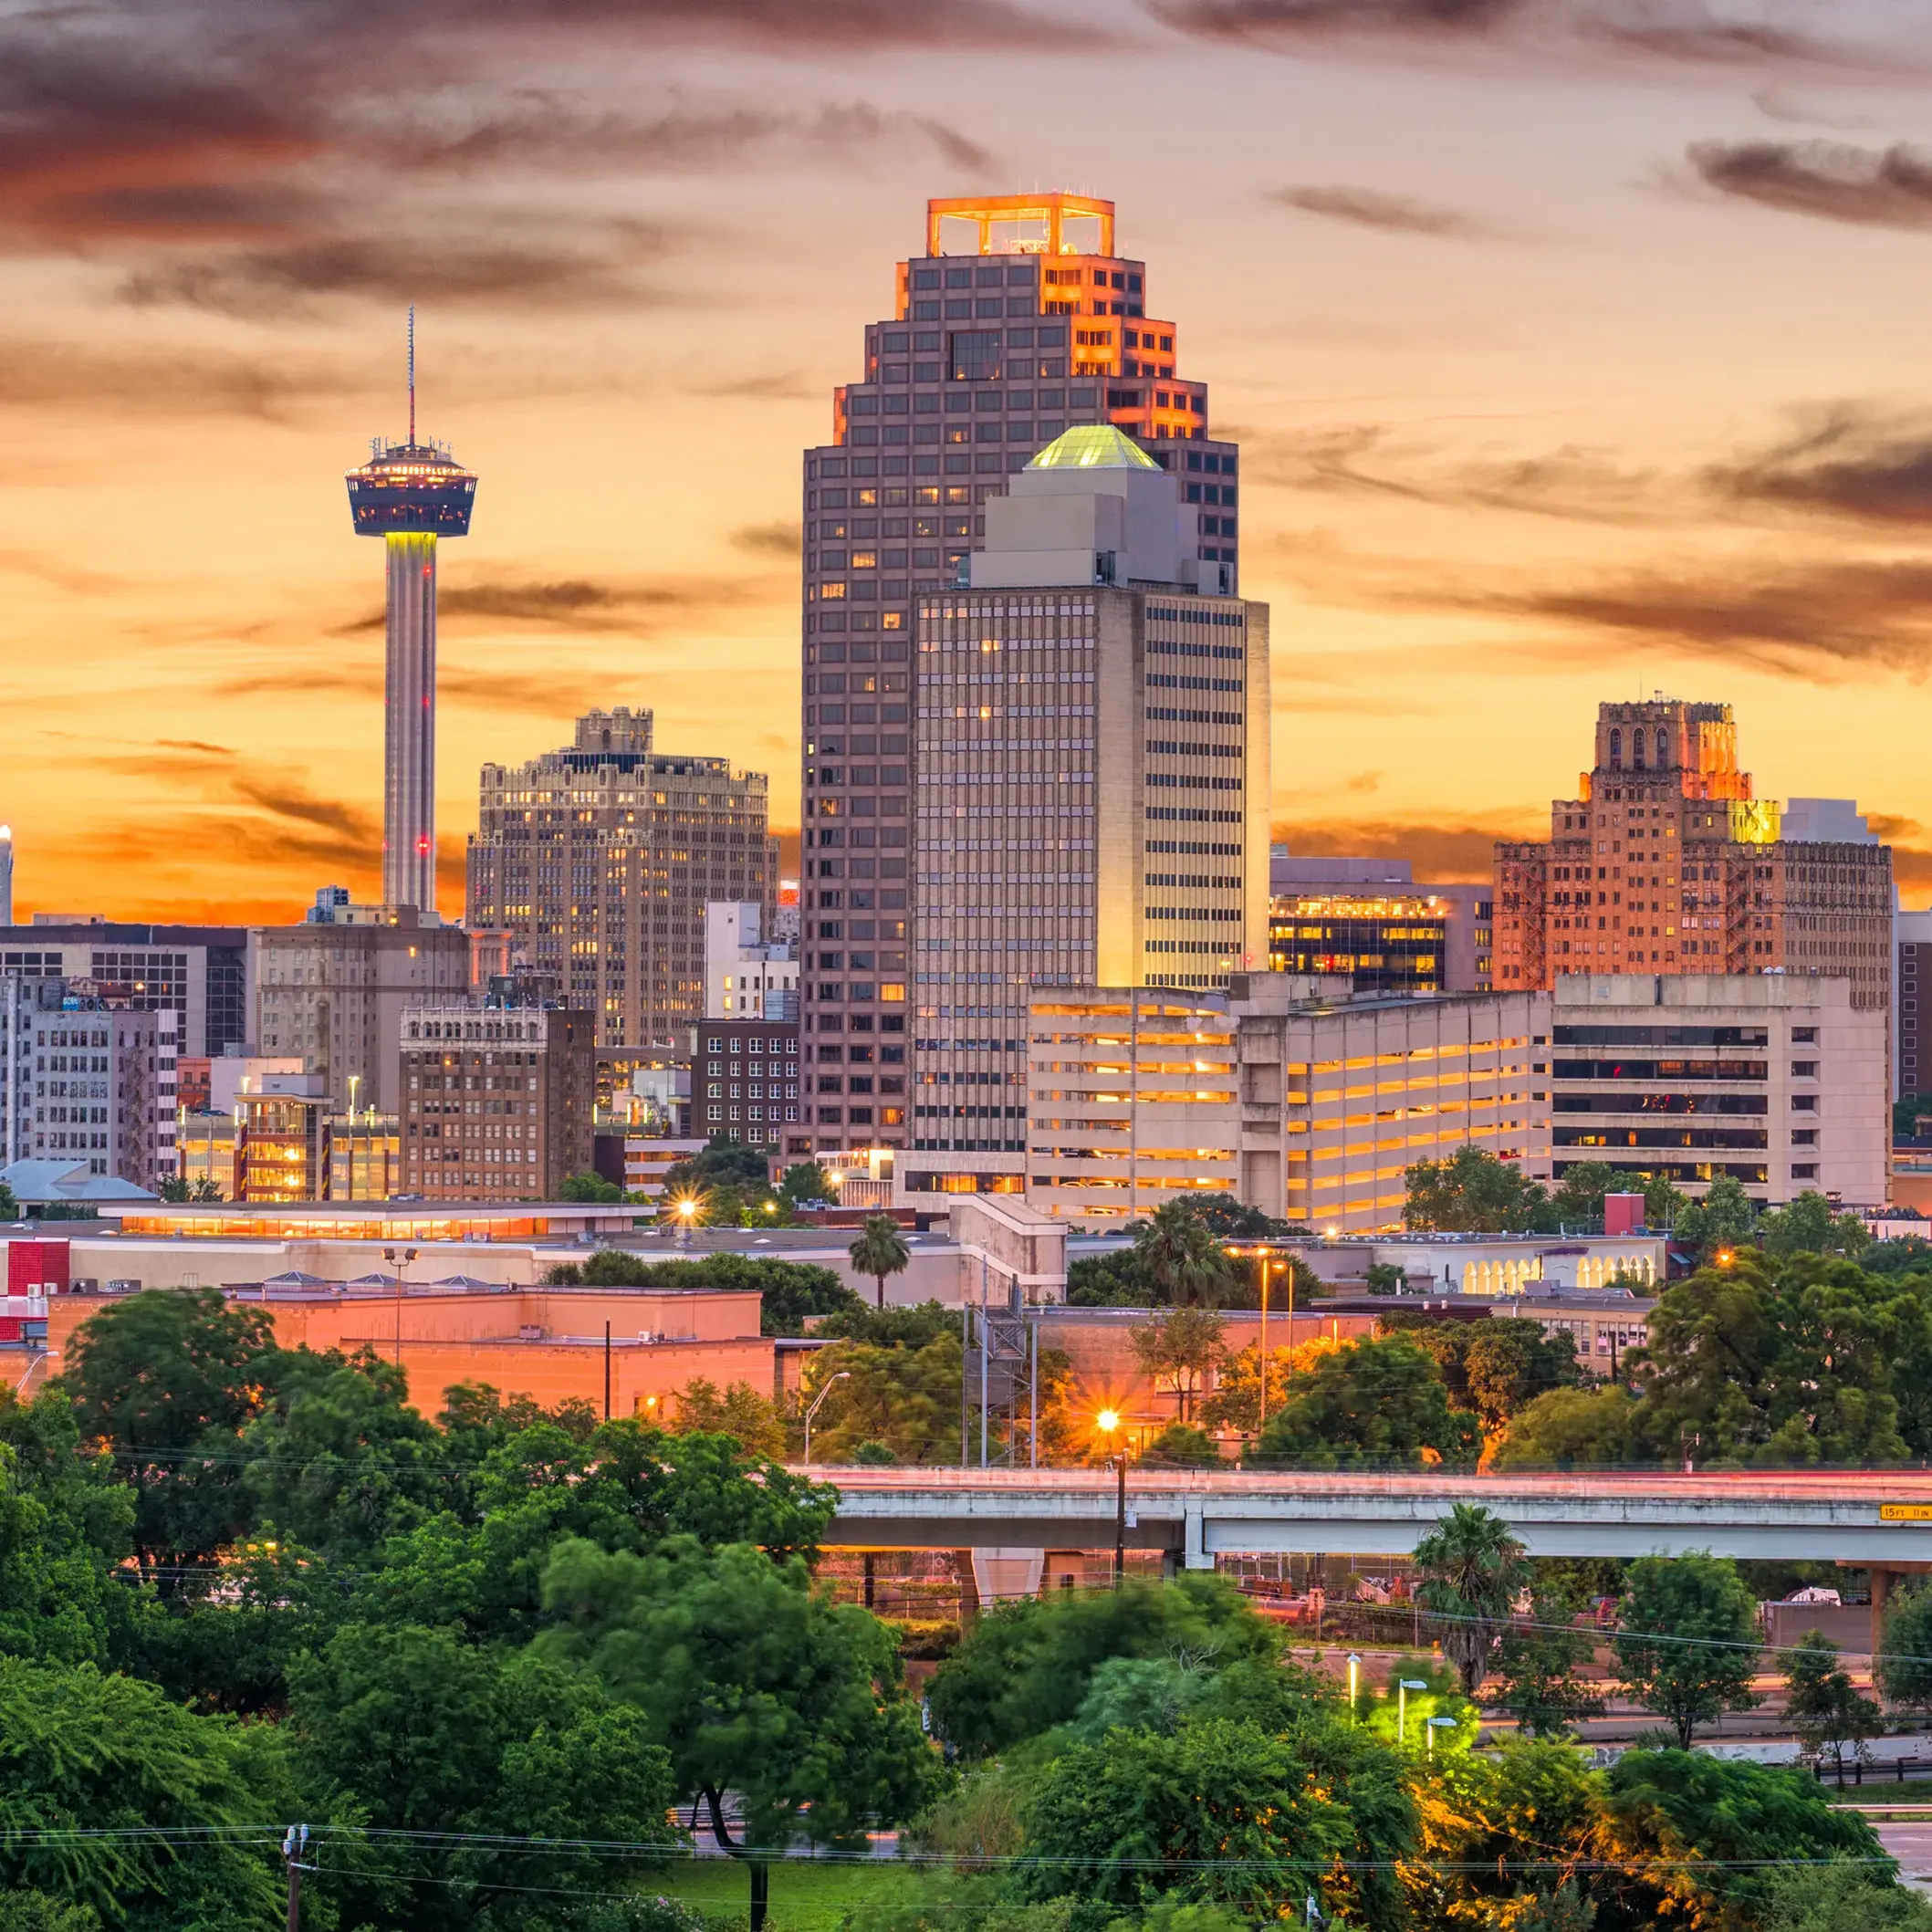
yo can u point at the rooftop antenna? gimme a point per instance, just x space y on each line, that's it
412 372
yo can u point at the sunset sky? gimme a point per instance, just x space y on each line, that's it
1576 350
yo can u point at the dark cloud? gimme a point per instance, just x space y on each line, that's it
1911 847
161 382
1845 461
1574 482
1880 188
1370 208
1831 617
1441 853
1659 32
768 539
787 385
448 271
282 797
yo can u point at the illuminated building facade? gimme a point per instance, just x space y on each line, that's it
198 971
600 858
1305 1102
1091 778
1016 322
410 494
332 995
1777 1081
496 1101
1665 862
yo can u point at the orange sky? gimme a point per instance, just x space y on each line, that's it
1576 350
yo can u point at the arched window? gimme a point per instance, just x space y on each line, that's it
1636 750
1663 749
1616 750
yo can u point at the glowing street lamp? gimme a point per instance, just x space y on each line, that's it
1109 1421
1430 1729
1354 1682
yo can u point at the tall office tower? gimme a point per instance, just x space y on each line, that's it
1666 864
7 876
1017 321
1911 951
1090 798
600 858
409 494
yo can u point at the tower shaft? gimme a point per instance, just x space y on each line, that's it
408 766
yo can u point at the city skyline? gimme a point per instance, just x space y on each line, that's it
1615 390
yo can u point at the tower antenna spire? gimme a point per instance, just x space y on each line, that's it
413 372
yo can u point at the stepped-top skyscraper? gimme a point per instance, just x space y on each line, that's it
409 494
1017 322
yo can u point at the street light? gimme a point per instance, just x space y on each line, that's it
844 1375
355 1080
1109 1421
1435 1724
687 1214
1354 1681
1402 1705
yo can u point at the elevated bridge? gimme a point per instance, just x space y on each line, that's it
1876 1520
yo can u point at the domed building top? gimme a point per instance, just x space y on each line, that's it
1093 446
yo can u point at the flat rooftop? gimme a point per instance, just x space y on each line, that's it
373 1220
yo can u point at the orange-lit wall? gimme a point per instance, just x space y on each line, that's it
448 1339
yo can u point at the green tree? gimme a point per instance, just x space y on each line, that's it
468 1751
1578 1200
1907 1110
37 1912
1908 1255
1366 1405
1027 1666
165 1381
753 1682
1537 1662
1904 1665
1707 1837
173 1187
1471 1193
1841 1897
339 1460
1471 1569
737 1411
723 1161
587 1186
1823 1707
1723 1221
906 1398
1495 1366
1180 1348
1181 1446
1570 1428
118 1801
1182 1260
1221 1812
1109 1281
65 1525
879 1250
1688 1646
1811 1226
805 1181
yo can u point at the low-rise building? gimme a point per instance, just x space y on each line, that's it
1305 1104
1778 1081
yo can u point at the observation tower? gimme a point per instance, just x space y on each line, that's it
409 494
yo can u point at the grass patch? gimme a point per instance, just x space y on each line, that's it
807 1895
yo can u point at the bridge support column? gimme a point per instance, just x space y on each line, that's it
1881 1593
1195 1546
968 1588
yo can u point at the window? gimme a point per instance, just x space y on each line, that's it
973 356
1804 1069
1616 749
1804 1036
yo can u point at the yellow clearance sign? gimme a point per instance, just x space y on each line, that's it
1905 1512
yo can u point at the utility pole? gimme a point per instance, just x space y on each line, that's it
607 1372
294 1840
1120 1516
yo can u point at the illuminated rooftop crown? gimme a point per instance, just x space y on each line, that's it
1092 446
410 487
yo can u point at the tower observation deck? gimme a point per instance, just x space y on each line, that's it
409 494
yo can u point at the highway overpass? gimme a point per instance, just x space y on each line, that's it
1871 1520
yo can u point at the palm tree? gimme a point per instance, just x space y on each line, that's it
1473 1570
1182 1258
879 1250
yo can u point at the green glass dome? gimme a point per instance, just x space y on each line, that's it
1092 446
